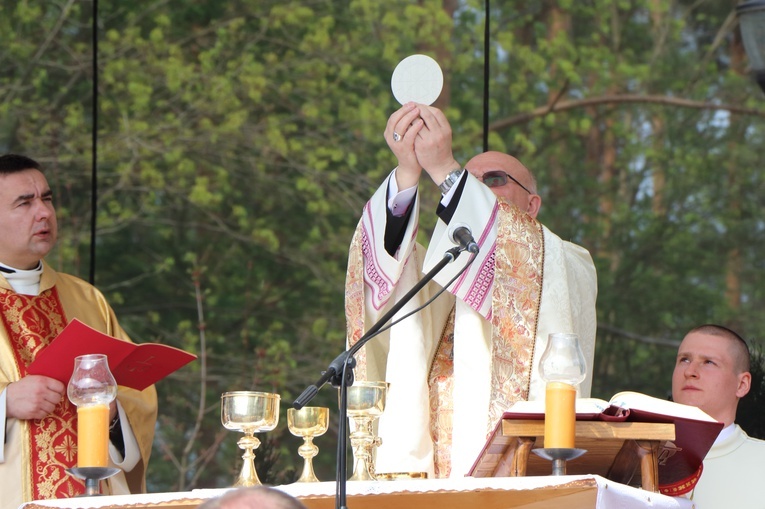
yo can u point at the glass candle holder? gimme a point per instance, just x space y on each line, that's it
92 388
562 366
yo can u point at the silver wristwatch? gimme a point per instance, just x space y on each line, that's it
452 178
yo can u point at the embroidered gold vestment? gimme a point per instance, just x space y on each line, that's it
37 452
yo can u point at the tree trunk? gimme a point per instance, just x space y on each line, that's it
734 258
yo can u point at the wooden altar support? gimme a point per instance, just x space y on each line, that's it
624 452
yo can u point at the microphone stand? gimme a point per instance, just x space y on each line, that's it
339 375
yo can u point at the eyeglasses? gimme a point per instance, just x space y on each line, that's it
499 178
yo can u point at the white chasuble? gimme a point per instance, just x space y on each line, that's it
451 378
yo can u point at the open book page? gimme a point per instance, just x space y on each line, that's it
638 401
592 408
585 407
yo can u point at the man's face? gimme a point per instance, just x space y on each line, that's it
28 226
706 376
510 191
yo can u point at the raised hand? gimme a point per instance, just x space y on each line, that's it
433 146
400 133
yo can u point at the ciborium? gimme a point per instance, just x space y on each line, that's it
249 412
308 422
366 402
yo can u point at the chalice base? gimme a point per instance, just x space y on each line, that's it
361 471
308 474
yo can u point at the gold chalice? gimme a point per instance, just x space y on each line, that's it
366 402
308 422
249 412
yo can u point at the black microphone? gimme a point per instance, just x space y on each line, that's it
460 234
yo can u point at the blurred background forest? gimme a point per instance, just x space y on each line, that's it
237 142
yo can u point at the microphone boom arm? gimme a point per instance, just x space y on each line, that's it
334 372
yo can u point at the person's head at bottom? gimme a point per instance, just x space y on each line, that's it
255 497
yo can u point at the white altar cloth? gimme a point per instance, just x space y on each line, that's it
572 491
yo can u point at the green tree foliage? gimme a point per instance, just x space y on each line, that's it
238 142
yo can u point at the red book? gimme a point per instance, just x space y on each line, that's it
133 365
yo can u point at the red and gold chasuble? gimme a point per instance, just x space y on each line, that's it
32 323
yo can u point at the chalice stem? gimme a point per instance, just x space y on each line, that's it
362 442
307 451
248 476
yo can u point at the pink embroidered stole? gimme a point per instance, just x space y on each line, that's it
32 322
518 263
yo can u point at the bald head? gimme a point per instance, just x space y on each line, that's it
255 497
522 196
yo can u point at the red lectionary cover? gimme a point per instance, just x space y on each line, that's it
133 365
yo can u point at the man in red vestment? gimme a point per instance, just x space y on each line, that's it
38 438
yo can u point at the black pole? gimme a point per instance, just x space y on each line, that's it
486 60
94 150
341 474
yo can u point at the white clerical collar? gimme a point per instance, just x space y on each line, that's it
726 432
25 282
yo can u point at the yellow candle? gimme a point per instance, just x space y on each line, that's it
560 415
93 436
